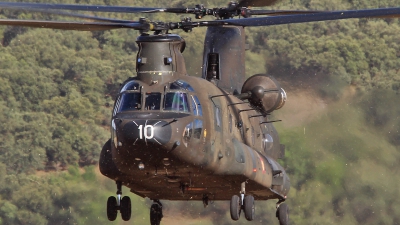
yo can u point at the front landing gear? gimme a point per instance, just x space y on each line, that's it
249 207
125 208
156 213
115 204
236 207
245 203
282 212
112 209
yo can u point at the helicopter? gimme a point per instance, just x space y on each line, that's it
179 137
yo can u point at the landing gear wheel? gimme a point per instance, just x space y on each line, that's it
249 208
236 207
126 208
156 213
283 214
112 208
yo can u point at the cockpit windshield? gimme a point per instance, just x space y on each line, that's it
130 101
133 99
153 101
181 85
176 101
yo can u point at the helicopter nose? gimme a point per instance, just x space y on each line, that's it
157 132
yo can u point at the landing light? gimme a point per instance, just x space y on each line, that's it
166 162
141 166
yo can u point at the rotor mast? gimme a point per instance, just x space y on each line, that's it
160 58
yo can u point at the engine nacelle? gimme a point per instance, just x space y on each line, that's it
264 93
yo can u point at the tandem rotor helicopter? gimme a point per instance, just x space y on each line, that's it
179 137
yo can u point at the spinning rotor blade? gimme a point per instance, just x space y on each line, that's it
186 25
49 8
281 12
256 3
92 8
84 26
313 17
74 15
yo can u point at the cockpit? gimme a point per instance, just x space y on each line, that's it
176 96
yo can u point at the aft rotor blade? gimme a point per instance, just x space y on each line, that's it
313 17
65 25
256 3
92 8
282 12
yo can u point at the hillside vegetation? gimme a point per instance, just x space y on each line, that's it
341 122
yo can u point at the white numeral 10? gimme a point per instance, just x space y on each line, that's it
144 131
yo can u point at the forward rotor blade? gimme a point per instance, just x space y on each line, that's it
68 14
92 8
64 25
313 17
256 3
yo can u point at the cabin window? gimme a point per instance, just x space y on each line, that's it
230 122
198 127
131 86
153 101
176 101
181 85
129 101
218 116
268 142
253 137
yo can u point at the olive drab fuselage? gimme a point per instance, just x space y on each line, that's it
179 137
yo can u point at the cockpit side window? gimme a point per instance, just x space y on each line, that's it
198 127
196 106
129 101
153 101
131 86
176 101
116 107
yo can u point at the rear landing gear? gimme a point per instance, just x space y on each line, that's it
156 212
282 212
245 203
115 204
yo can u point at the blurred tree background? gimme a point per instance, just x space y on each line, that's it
342 143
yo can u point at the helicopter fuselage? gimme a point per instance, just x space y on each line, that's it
179 137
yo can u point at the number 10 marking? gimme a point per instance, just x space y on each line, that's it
144 132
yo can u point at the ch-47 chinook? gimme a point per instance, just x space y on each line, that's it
178 137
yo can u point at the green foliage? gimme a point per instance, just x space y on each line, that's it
350 166
55 85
